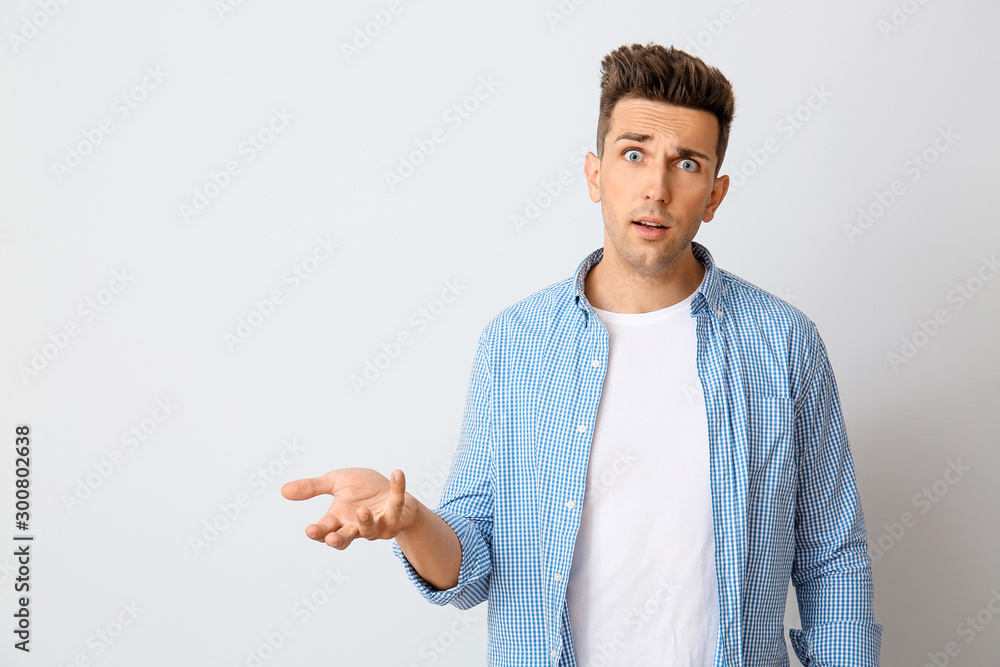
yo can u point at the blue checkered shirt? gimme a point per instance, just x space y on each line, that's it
784 499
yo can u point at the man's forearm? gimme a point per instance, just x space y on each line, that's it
432 548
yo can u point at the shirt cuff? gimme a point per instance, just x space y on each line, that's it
472 574
851 644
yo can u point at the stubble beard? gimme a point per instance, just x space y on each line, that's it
646 260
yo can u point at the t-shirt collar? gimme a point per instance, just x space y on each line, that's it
708 295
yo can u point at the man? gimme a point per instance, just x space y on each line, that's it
651 449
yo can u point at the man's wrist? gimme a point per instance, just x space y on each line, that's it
416 509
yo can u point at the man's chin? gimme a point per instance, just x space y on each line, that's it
652 262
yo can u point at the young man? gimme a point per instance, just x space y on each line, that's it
650 449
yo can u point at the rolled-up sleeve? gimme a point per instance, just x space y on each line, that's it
831 571
467 497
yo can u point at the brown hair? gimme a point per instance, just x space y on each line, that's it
664 75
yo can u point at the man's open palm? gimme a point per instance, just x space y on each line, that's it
365 504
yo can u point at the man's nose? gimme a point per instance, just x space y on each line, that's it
658 182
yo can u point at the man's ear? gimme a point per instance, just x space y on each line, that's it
592 170
719 190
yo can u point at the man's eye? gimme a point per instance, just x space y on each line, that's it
689 165
633 155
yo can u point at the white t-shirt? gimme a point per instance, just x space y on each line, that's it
642 589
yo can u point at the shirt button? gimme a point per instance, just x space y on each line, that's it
554 654
582 428
719 313
557 576
595 363
570 504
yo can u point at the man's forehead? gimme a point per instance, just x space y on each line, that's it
661 119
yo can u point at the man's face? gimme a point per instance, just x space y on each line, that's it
658 168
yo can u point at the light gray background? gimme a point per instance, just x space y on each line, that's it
887 94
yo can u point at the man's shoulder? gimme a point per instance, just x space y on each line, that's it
545 310
772 329
756 304
553 309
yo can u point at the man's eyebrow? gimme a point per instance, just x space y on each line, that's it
645 138
688 152
632 136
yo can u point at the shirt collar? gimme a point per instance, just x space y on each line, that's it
708 295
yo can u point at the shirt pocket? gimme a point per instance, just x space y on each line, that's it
770 448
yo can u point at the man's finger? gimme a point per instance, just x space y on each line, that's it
342 538
366 524
397 496
323 527
310 487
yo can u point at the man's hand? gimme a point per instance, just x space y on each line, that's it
365 504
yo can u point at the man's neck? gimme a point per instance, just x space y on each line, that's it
614 286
